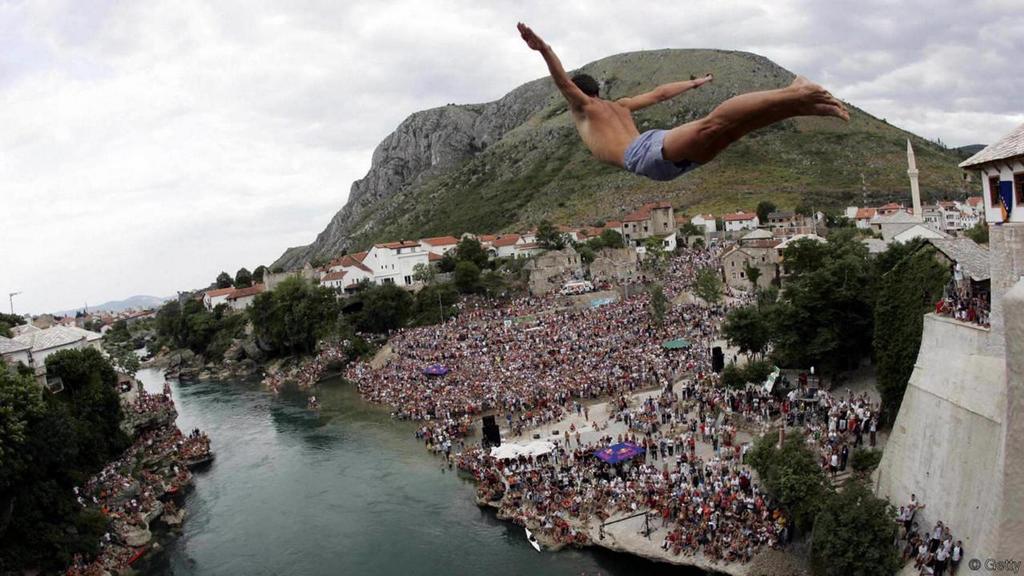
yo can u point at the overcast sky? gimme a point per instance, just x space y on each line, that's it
146 146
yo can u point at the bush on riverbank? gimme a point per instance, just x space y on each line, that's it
191 325
791 475
853 534
293 317
50 443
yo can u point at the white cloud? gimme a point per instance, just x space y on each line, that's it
147 146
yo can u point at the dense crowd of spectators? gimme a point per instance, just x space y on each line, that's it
136 487
529 359
933 552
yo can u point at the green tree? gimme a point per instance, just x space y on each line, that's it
293 317
764 208
61 439
549 237
708 286
978 232
467 277
655 257
586 252
749 329
447 263
224 280
853 535
384 307
690 229
424 273
612 239
20 404
243 278
258 273
910 281
791 475
471 250
8 321
434 304
753 274
658 304
493 284
825 315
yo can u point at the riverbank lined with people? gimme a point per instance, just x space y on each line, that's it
536 365
141 486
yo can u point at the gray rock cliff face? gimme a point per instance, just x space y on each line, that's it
424 145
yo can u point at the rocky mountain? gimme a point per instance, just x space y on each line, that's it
137 302
506 164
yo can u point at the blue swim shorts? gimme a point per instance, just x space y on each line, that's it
644 157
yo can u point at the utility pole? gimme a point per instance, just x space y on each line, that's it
10 297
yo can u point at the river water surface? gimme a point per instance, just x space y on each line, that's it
345 491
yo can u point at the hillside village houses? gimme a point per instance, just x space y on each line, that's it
741 220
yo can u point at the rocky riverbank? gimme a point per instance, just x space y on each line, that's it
140 492
242 360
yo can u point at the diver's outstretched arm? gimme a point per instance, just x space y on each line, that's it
663 92
577 99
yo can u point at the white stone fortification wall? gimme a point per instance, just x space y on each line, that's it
1011 525
946 443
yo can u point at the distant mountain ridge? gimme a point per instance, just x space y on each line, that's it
506 164
136 302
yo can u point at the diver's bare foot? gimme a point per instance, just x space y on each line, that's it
813 100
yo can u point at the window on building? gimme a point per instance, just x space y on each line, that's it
1018 188
993 190
408 280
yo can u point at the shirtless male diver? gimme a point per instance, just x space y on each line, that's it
608 130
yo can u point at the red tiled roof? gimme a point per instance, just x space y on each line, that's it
528 246
946 203
739 217
334 276
644 212
613 224
350 261
243 292
863 213
680 219
487 238
432 257
441 241
397 245
506 240
219 292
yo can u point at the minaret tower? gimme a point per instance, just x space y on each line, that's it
915 191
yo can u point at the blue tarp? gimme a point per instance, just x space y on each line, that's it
435 370
619 452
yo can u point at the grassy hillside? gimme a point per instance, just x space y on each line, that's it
540 169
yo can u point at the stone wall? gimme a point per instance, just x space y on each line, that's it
614 265
548 271
946 443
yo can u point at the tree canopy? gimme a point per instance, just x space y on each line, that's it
853 535
549 237
764 208
293 317
243 278
792 476
224 280
50 443
708 286
749 329
910 281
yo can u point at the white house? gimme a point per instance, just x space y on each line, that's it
1001 168
214 298
393 262
440 245
241 298
741 221
43 343
706 221
504 246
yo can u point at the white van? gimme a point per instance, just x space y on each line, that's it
576 287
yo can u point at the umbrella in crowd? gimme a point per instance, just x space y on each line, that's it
677 344
435 370
619 452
